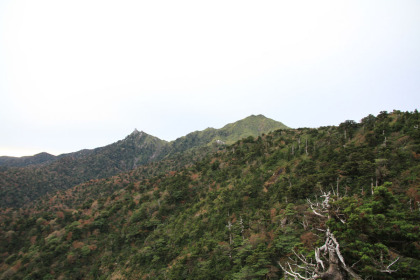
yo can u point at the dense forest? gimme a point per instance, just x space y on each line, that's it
23 180
337 202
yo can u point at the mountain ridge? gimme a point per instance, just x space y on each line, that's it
242 211
19 185
36 159
12 161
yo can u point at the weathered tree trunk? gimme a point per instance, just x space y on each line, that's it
333 272
337 268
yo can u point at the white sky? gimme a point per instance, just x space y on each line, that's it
83 74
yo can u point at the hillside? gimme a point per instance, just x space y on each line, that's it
40 159
240 211
19 186
37 159
230 133
29 178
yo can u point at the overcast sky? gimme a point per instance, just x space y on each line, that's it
83 74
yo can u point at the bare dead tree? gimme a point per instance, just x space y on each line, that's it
241 222
329 263
229 226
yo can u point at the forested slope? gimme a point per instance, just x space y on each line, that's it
21 185
37 159
28 178
240 212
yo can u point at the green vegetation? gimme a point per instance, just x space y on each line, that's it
235 211
37 159
23 180
251 126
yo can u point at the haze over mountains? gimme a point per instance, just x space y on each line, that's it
47 173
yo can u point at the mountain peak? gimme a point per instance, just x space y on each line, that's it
253 125
136 133
259 116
